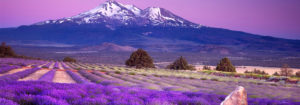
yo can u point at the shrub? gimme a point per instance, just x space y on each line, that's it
131 73
205 67
225 65
140 59
180 64
69 59
117 72
273 84
203 78
214 79
298 74
247 71
286 71
256 71
191 77
156 75
6 51
276 74
103 70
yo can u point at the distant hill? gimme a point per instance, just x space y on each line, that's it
110 47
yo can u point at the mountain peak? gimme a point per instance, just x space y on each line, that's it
114 14
153 12
108 8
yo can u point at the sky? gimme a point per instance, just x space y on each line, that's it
278 18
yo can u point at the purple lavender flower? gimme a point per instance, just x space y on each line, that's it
7 102
6 68
18 75
77 78
48 77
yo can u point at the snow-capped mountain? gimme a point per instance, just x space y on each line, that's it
153 29
113 13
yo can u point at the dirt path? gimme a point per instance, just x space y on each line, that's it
60 66
40 66
14 71
35 76
62 77
52 65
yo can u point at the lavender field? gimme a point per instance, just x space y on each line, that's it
35 82
149 52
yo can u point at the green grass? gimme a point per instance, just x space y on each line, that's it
273 84
131 73
214 79
118 72
253 96
203 78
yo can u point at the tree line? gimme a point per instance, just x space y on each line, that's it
141 59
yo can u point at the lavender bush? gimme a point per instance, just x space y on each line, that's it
48 77
90 76
56 65
106 92
46 93
77 78
41 93
7 102
18 75
64 65
98 79
47 65
17 61
6 68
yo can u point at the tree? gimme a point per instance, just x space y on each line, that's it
6 51
69 59
180 64
298 74
205 67
276 74
140 59
286 71
225 65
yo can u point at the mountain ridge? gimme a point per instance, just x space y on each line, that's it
109 47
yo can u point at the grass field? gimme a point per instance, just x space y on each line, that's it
242 69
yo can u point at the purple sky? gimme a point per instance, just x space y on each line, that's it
279 18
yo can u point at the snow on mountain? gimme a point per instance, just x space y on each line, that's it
114 14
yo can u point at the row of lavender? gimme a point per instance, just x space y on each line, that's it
170 83
31 63
98 79
18 75
20 62
8 64
46 93
5 68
